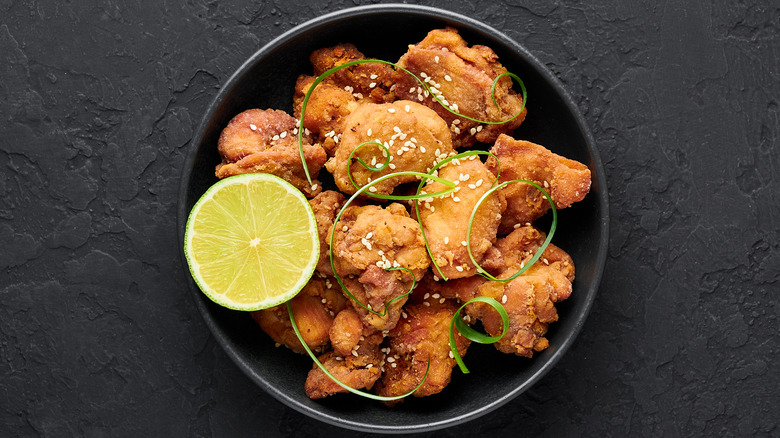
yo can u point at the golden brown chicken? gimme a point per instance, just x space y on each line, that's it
415 136
358 370
446 219
314 309
368 242
339 94
461 77
266 141
567 181
326 206
420 343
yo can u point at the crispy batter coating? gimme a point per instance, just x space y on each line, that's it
313 309
415 136
567 181
326 206
446 219
367 237
461 76
346 331
422 335
339 94
358 370
530 298
265 141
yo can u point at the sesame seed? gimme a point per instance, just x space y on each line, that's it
456 199
472 186
473 131
422 149
369 235
446 239
344 228
479 182
283 134
452 356
373 76
479 128
546 185
435 296
441 301
407 108
436 59
391 110
372 85
324 301
423 74
459 268
464 243
368 133
275 137
503 299
314 187
253 127
372 189
295 131
380 252
412 90
369 366
354 353
393 365
435 278
426 304
391 165
358 95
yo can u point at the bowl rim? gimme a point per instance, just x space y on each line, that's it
458 19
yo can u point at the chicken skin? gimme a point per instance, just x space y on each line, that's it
446 219
567 181
266 141
528 299
314 309
358 370
415 136
461 77
420 342
326 206
368 242
340 93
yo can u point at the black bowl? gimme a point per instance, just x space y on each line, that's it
266 80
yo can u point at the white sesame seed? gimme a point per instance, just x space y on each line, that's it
344 228
479 182
372 189
412 90
479 128
447 78
503 299
314 187
452 356
435 296
368 133
407 108
446 239
441 301
372 85
369 235
391 110
426 304
459 268
473 131
283 134
373 76
391 165
380 252
253 127
546 185
472 186
436 59
464 243
423 74
456 199
435 278
275 137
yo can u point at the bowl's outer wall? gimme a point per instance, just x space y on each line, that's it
266 81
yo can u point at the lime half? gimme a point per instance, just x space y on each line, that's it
251 242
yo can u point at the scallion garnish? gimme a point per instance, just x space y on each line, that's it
471 334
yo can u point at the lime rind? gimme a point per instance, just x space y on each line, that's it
307 266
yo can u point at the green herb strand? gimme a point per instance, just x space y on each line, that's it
471 334
539 251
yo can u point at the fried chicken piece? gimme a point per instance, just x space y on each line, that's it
415 136
419 340
461 77
326 206
313 308
346 331
567 181
339 94
530 298
446 219
358 370
265 141
368 240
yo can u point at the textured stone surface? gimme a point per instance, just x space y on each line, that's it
98 103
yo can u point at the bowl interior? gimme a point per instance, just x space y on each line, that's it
267 80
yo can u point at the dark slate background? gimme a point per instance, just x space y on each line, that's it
99 335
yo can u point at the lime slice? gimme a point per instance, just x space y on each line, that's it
251 242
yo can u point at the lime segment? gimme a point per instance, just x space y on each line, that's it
251 242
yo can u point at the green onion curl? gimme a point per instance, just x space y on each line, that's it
539 251
471 334
424 84
339 382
